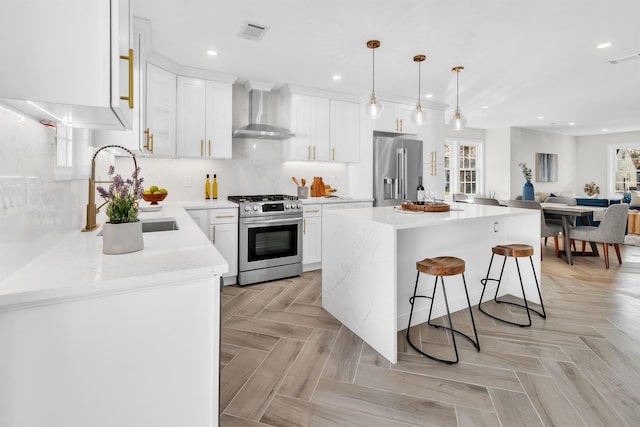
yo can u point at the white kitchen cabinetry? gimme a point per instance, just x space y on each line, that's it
310 122
71 58
201 217
159 135
345 131
224 236
204 118
311 237
396 118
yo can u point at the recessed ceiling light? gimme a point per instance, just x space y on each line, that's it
429 95
604 45
337 77
605 130
540 117
212 52
484 107
572 123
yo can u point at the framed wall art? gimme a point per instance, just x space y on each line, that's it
546 167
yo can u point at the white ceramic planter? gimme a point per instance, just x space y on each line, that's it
122 238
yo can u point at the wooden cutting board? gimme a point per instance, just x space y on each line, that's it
440 207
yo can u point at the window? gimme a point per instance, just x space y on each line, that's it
463 167
624 173
71 153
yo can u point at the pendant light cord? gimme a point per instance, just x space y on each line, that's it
373 83
457 91
419 89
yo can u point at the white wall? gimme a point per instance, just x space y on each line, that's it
526 143
35 211
592 158
497 155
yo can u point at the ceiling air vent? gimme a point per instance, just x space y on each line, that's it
253 31
624 59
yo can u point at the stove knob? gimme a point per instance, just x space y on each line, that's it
299 206
247 208
255 208
287 206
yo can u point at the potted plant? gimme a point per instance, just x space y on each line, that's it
591 189
123 232
527 189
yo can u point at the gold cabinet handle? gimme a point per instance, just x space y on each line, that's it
151 138
209 148
130 97
224 216
308 152
400 125
312 211
333 154
146 139
304 226
396 125
314 152
202 148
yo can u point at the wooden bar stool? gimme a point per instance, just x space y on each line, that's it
439 267
514 251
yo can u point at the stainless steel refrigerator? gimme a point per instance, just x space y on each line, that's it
397 164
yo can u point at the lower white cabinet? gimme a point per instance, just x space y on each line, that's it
311 237
224 236
220 225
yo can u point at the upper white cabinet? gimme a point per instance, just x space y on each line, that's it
396 118
203 118
345 131
325 129
159 134
71 58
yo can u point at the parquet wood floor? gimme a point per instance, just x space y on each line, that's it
287 362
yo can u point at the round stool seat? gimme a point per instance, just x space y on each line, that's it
516 250
441 266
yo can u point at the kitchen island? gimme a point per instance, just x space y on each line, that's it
369 260
132 339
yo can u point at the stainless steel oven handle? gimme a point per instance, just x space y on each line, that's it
273 221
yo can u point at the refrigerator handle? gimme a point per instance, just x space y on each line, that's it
405 174
401 160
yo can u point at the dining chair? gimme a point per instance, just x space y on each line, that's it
485 201
546 229
610 231
557 219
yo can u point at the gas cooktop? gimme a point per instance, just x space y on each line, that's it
262 198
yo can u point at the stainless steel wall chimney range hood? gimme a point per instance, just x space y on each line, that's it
259 127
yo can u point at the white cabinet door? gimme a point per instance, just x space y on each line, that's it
345 131
299 110
312 235
201 217
204 119
218 120
65 57
159 135
320 128
396 118
191 117
224 236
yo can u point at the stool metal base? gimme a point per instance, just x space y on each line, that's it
450 328
524 296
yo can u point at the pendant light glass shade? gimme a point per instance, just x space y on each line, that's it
458 122
417 115
374 108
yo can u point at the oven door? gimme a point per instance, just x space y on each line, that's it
269 242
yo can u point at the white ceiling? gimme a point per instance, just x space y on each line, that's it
522 58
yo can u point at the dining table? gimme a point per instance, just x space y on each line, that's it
568 213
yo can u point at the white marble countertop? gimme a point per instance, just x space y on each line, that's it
322 200
400 219
204 204
76 267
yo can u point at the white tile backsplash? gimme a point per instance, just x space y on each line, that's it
35 211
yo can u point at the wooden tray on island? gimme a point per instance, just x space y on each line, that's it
438 207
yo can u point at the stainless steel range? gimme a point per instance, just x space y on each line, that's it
270 237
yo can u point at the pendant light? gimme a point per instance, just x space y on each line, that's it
374 109
417 116
457 120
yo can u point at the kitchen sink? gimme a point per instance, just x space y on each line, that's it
161 224
164 224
